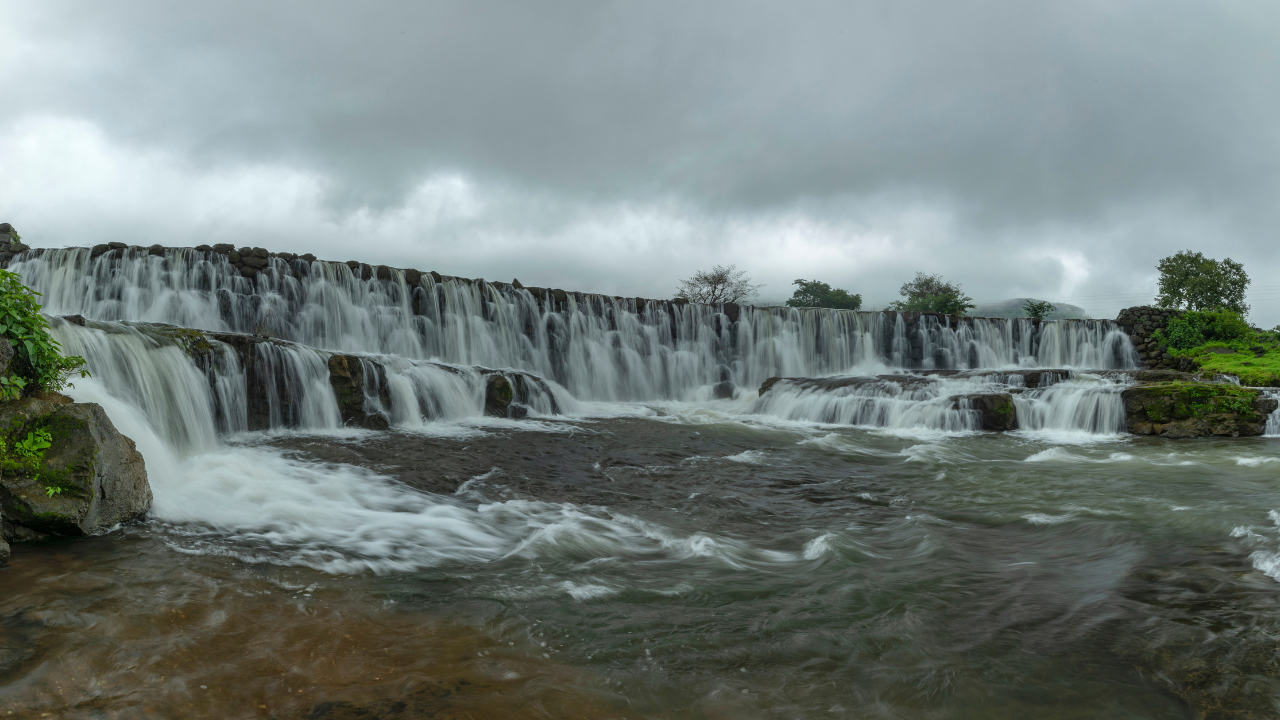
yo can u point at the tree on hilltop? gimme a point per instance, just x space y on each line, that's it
720 284
1038 309
1192 281
812 293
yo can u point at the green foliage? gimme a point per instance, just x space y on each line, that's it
1194 282
37 356
11 388
930 293
1038 309
1195 328
35 444
812 293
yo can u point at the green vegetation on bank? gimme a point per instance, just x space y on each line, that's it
38 362
1220 341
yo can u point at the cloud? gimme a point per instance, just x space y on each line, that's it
1025 150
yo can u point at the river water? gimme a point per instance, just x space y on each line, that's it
863 555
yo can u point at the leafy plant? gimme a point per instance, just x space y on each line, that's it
1038 309
1195 328
52 490
11 387
812 293
37 356
35 443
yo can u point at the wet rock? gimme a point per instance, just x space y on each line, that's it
89 479
5 534
1188 409
768 384
117 245
261 252
156 250
352 378
6 355
98 250
995 410
516 284
724 390
412 277
497 395
223 248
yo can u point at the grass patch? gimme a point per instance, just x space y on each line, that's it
1243 363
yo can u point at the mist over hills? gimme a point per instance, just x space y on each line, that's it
1013 308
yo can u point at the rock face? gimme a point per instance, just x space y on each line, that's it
351 378
498 395
1184 409
995 410
1141 323
89 479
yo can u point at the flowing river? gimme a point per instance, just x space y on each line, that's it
634 547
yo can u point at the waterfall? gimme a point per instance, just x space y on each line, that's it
1084 403
1273 420
194 387
906 402
597 347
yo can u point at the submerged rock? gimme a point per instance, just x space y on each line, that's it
88 480
1187 409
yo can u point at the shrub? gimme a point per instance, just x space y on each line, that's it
1196 328
38 362
812 293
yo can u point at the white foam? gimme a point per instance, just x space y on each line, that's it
748 457
1255 461
1044 519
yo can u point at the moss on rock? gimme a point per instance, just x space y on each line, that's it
1190 409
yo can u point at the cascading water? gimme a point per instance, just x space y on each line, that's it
597 347
1085 403
1273 420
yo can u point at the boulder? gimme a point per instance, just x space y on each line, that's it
1189 409
348 375
724 390
995 410
768 384
497 395
89 479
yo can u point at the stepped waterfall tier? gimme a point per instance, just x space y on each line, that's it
382 492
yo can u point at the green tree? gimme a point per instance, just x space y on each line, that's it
812 293
930 293
1038 309
38 362
1192 281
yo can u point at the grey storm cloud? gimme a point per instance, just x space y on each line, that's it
1100 135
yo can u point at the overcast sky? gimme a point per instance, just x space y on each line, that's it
1047 149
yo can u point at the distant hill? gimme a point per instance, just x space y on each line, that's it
1013 308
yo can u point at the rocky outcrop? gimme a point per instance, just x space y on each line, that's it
355 382
995 410
1141 323
1188 409
89 478
10 243
498 395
